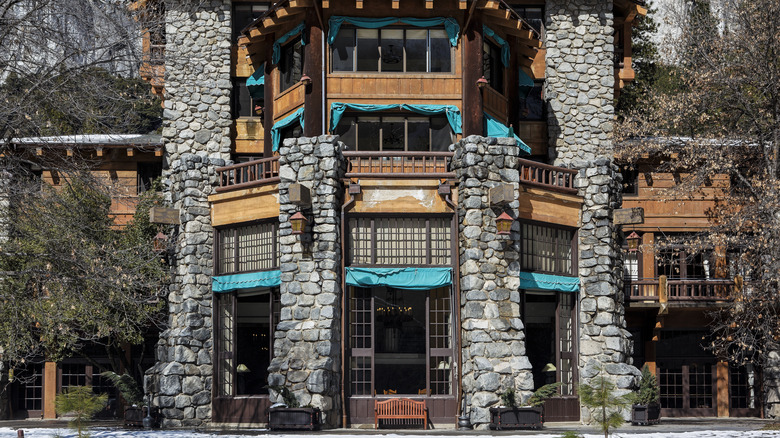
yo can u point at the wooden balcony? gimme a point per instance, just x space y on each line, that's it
664 290
398 164
554 178
250 174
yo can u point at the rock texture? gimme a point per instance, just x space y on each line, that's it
493 340
307 347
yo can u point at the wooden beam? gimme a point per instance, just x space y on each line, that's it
276 21
99 152
158 152
527 51
285 12
396 4
503 14
358 4
428 4
325 4
301 3
130 152
69 152
489 4
462 4
39 151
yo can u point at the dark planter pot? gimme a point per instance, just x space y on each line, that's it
134 416
643 415
294 418
525 417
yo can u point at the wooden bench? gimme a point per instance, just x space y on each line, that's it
400 409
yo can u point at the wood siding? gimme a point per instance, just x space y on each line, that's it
400 196
288 101
542 205
380 88
244 205
534 134
495 103
250 135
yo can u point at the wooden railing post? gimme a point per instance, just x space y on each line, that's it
663 292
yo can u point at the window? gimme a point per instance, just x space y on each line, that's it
492 67
245 13
147 173
547 249
247 248
677 261
400 241
291 64
533 15
396 133
532 108
245 328
244 105
630 179
392 50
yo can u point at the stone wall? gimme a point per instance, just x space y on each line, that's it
196 133
493 340
307 340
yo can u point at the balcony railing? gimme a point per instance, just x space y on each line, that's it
398 164
250 174
663 290
550 177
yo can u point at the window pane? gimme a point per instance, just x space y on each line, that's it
291 65
392 49
532 108
367 49
441 134
392 133
245 14
252 342
441 52
242 102
368 134
416 50
346 130
344 50
418 134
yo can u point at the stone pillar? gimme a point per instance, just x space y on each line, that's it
771 386
196 133
493 340
580 89
307 341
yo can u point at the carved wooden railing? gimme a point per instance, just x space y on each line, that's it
643 289
550 177
398 164
250 174
662 289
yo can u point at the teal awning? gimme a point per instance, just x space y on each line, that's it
256 83
450 25
252 280
494 128
400 278
276 130
526 84
532 280
452 112
502 42
299 29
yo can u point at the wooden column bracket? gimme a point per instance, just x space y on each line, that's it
130 152
396 4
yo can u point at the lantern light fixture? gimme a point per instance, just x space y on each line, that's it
633 242
298 222
305 79
482 82
160 242
504 223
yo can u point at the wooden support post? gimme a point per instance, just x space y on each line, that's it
472 71
69 152
99 152
513 87
49 390
268 101
130 152
722 397
648 256
312 65
663 291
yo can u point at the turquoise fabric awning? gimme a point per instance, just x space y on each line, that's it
526 84
502 42
452 112
299 29
532 280
276 130
450 25
256 83
400 278
252 280
494 128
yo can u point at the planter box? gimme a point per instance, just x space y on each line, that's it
642 415
134 417
294 418
525 417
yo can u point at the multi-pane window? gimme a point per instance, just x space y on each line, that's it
533 15
400 241
244 105
492 66
395 133
532 106
677 261
291 64
247 248
30 396
547 249
392 50
245 13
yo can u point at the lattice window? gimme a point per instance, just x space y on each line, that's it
226 340
247 248
700 377
670 381
440 341
74 374
31 395
743 387
565 307
400 241
546 249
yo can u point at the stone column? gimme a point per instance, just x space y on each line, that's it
196 133
307 341
771 386
580 89
493 340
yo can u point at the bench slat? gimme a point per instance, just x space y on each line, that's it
399 409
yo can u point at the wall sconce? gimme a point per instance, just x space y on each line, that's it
305 79
482 82
160 242
633 242
298 222
504 223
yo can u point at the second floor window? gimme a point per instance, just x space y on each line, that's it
395 133
247 248
244 105
392 50
547 249
492 67
291 65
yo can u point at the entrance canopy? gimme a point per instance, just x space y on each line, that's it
251 280
399 278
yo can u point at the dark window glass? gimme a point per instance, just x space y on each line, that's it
347 130
147 173
532 107
492 68
367 50
243 103
392 133
392 49
533 15
416 50
630 179
397 133
344 50
441 51
245 14
441 134
291 64
368 134
418 134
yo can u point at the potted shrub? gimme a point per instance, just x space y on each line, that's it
289 414
511 417
645 408
135 408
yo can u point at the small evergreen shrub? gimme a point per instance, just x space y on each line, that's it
82 403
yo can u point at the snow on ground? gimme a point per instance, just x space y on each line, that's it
120 433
